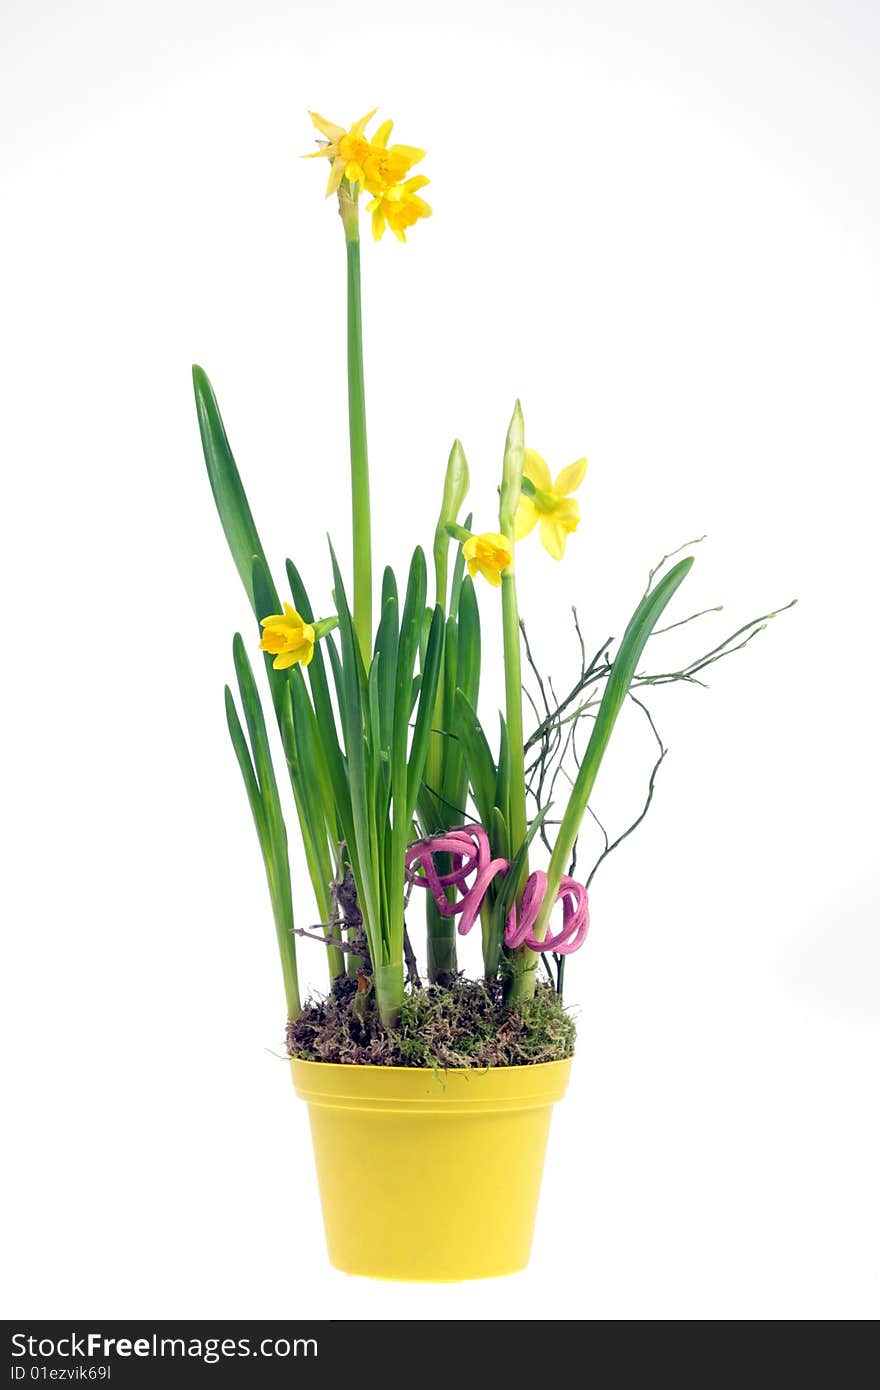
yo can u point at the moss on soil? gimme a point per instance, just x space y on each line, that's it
465 1024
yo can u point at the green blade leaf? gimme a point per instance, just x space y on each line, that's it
480 763
502 786
262 756
427 696
273 840
325 719
509 885
242 753
226 485
386 655
351 691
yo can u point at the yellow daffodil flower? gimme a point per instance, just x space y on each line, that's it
488 554
386 165
550 503
348 149
399 207
288 637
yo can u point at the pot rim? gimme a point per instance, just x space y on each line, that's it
362 1086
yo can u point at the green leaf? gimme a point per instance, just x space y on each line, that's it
481 765
266 603
363 848
502 785
450 672
498 836
325 719
226 485
389 586
242 753
424 718
469 642
262 757
491 923
386 655
273 839
467 679
408 646
508 887
310 754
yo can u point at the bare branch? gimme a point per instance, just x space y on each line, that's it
671 556
610 848
658 631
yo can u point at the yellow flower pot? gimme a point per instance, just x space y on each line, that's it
429 1176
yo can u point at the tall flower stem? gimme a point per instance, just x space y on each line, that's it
441 934
521 963
357 431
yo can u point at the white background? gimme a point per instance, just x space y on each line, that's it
656 224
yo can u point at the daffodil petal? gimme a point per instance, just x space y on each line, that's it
285 659
336 174
570 478
526 518
409 152
332 132
566 513
536 470
382 134
358 127
494 539
553 538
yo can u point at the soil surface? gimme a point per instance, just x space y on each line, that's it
464 1024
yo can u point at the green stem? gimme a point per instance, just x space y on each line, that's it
357 429
441 947
388 981
441 936
517 820
522 963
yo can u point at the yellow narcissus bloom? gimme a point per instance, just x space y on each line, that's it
348 149
488 554
550 503
399 208
288 637
386 164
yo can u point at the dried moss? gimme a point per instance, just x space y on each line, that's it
465 1024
